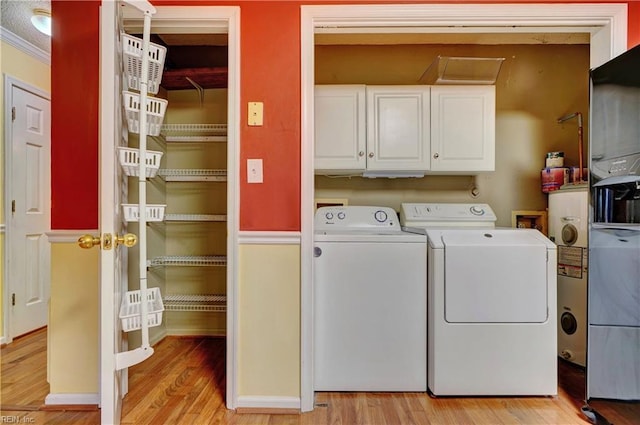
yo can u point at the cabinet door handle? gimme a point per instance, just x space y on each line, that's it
436 155
370 154
361 153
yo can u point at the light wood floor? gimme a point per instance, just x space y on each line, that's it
183 383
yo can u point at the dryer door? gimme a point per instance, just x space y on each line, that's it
495 276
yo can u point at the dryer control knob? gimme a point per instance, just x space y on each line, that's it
329 215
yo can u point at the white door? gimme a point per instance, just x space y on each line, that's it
340 128
29 250
113 189
398 128
463 128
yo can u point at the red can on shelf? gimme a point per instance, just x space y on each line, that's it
553 178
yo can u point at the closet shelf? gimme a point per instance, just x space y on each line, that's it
188 260
194 217
210 303
193 133
192 175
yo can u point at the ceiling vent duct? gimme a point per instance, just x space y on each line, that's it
462 70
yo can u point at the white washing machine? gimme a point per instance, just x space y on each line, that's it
568 226
491 303
370 302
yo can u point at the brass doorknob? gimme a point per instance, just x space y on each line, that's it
88 241
127 240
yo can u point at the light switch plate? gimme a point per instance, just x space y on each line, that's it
254 170
255 113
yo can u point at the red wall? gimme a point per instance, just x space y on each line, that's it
74 115
270 73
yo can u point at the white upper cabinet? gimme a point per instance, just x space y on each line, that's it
404 130
398 128
340 129
463 128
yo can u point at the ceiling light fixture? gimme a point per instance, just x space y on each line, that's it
41 19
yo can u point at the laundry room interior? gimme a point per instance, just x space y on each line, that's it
368 213
542 78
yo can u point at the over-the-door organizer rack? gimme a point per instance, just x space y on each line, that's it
143 64
129 159
142 74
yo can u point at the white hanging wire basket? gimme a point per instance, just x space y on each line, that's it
156 109
155 212
130 307
132 53
130 161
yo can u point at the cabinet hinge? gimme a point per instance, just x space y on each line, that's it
13 113
13 299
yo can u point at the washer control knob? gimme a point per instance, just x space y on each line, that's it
329 216
341 215
476 210
380 216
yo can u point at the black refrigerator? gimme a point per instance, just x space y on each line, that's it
613 309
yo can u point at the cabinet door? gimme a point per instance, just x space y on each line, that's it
340 128
463 128
398 128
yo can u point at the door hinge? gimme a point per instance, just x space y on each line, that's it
13 113
13 206
13 299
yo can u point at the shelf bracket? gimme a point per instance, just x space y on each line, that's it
199 88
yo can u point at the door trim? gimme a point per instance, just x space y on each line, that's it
218 19
608 28
9 83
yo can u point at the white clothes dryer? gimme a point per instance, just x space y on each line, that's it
491 294
370 302
568 227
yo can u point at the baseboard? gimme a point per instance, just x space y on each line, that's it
72 399
268 405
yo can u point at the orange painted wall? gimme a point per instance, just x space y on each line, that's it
270 73
74 115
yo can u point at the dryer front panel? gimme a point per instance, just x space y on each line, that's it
495 277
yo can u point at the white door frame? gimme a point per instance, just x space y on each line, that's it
216 19
9 83
607 24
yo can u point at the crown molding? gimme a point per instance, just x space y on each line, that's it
24 46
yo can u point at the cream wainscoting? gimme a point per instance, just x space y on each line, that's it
73 346
268 303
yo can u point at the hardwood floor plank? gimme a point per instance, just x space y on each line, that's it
184 383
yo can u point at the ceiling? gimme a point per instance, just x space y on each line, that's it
15 16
